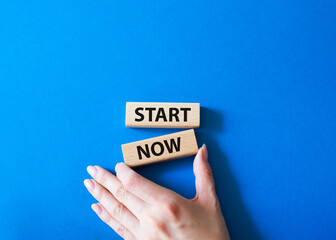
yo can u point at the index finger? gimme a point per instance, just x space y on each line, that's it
141 187
115 187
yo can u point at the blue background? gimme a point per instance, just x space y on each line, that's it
263 71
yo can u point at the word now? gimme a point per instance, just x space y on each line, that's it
154 151
163 148
164 115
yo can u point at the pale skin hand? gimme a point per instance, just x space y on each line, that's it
138 209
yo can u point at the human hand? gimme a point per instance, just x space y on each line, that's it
138 209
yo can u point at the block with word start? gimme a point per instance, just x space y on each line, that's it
162 115
158 149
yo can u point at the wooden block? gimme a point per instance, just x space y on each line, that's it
163 148
162 115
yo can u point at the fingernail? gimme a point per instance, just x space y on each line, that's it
118 165
89 184
92 171
205 151
96 208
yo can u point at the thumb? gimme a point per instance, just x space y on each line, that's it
205 186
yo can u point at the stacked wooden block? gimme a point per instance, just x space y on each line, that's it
166 147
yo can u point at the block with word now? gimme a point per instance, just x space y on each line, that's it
158 149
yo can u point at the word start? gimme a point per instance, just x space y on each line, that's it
156 114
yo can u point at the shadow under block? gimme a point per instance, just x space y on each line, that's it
158 149
162 115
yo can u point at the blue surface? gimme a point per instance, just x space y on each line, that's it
264 73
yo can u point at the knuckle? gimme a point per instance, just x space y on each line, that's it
172 210
107 219
118 210
121 231
158 227
131 181
207 172
120 193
